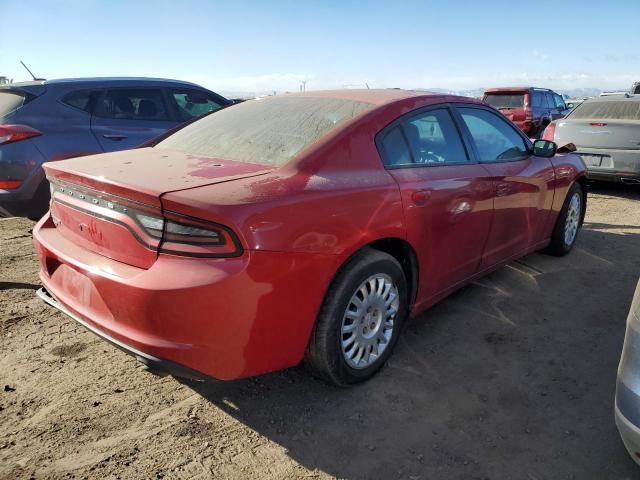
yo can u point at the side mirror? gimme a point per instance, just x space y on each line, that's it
544 148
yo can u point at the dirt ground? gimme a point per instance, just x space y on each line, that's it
513 377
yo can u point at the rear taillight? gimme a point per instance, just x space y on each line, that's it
16 133
188 236
549 132
10 184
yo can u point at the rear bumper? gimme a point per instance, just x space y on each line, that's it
155 365
612 165
620 177
527 126
224 318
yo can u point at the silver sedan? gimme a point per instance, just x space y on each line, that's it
606 133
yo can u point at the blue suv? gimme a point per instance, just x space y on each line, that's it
52 120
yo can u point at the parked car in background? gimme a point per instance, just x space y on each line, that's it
573 103
606 133
627 404
635 89
531 109
51 120
306 226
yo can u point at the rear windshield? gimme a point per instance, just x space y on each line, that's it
268 131
10 101
622 110
505 100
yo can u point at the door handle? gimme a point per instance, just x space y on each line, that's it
114 137
420 197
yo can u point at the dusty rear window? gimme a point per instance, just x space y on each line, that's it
267 131
503 100
622 110
10 101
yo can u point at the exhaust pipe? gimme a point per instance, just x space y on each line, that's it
630 181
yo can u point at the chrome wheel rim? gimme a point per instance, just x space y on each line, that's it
573 219
368 321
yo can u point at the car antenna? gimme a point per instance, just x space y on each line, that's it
30 73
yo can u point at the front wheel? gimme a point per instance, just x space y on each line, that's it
568 223
360 319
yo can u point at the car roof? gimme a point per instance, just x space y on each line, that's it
379 96
102 80
515 89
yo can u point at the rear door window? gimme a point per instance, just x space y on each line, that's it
494 138
550 102
10 101
538 100
133 104
559 102
428 138
193 103
434 139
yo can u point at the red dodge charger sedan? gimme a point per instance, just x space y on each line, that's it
298 228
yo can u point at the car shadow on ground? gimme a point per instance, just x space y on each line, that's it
18 285
511 377
632 192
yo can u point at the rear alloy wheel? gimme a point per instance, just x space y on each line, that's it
360 319
568 223
367 324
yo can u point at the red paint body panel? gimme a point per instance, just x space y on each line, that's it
222 317
460 201
524 195
297 224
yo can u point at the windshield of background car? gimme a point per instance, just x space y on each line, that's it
10 101
504 100
268 131
621 110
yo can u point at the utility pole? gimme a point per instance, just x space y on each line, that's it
303 85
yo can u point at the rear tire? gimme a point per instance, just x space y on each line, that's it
565 231
360 319
40 202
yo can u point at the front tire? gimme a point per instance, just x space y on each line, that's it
360 319
565 232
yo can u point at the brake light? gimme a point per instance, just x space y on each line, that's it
16 133
10 184
549 132
188 236
598 124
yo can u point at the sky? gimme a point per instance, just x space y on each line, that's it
257 46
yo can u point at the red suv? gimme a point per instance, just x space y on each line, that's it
531 109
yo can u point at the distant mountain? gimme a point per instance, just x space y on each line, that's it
582 92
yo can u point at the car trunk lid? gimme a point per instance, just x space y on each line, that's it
599 133
99 202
